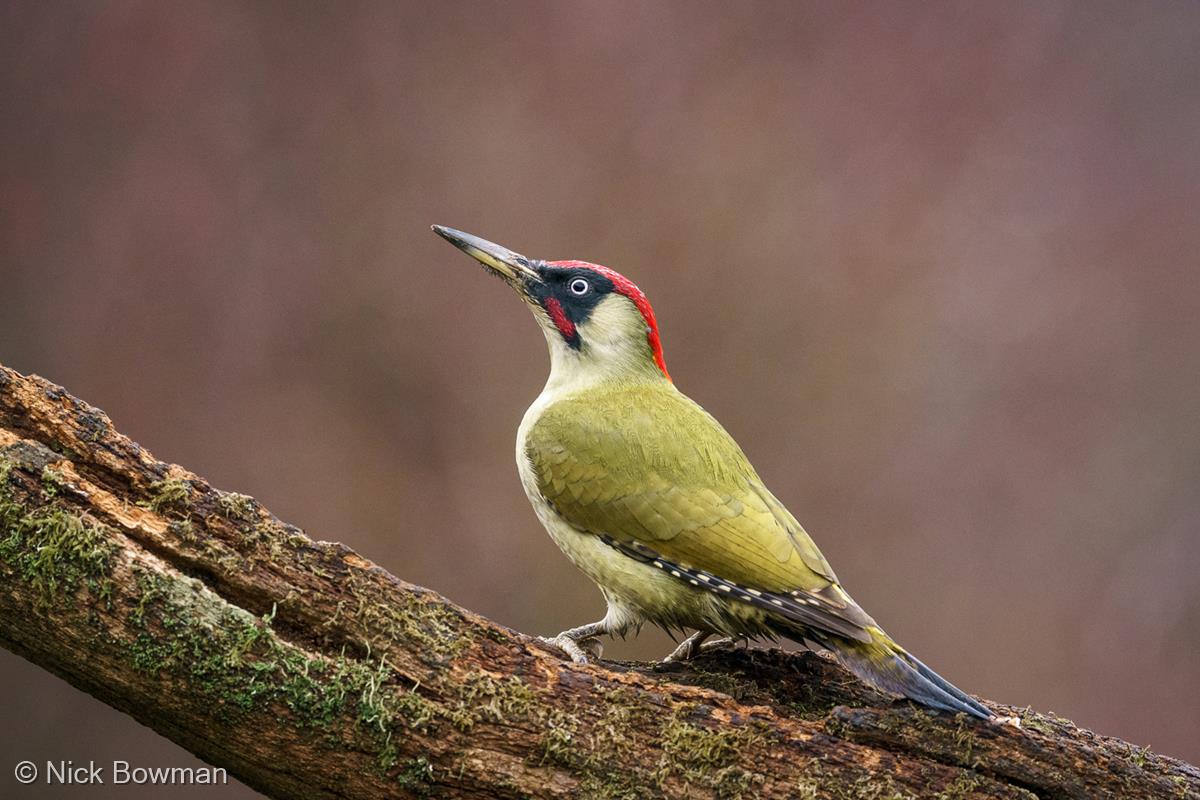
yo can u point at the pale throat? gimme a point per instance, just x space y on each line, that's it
624 357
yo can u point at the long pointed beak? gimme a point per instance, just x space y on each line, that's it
514 268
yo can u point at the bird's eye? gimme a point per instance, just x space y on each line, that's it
579 286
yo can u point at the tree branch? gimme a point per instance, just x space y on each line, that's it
309 672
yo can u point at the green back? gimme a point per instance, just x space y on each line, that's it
642 462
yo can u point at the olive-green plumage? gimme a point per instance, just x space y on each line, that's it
642 463
651 498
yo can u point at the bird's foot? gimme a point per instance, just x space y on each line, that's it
593 647
688 648
695 644
723 642
578 650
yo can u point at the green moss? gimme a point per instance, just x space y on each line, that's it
964 786
920 720
863 786
1048 723
1139 755
964 741
614 785
429 624
1030 720
173 494
806 791
52 481
806 703
693 745
182 528
236 507
232 661
53 549
149 593
871 787
226 559
416 777
723 682
590 751
559 745
418 713
483 698
834 726
148 654
706 756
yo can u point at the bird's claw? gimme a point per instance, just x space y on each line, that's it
694 645
687 649
581 651
592 646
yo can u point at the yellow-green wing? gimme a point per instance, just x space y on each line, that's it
644 464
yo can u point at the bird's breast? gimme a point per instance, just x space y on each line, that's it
635 590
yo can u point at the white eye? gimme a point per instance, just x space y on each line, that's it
579 286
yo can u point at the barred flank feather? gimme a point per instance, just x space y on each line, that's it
810 619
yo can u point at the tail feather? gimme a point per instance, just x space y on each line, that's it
948 687
886 665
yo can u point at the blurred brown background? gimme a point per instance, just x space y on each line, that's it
934 266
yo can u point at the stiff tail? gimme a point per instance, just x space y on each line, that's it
886 665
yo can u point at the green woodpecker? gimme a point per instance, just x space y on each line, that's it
649 496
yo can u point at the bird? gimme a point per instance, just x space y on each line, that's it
649 496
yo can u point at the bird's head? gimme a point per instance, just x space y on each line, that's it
597 322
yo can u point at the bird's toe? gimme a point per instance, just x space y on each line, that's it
593 647
720 644
569 646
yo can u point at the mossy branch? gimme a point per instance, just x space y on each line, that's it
309 672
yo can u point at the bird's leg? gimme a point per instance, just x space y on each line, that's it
581 642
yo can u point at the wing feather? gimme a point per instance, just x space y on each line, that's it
648 468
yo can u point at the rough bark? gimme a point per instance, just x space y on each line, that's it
309 672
